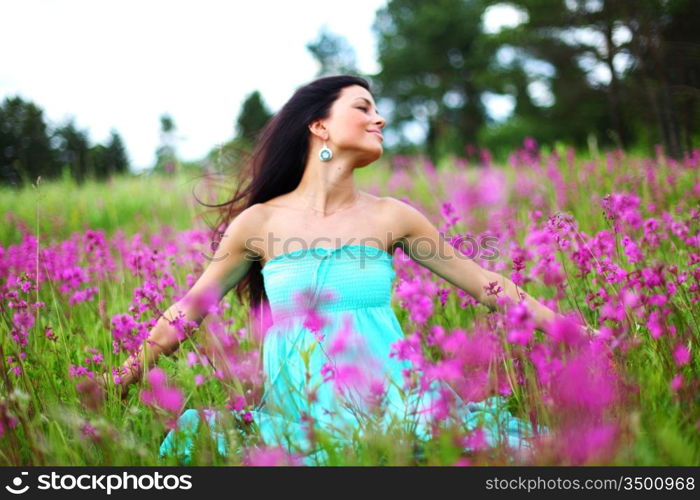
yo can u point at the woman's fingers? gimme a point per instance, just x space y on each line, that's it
592 331
104 381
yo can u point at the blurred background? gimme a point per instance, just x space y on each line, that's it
93 89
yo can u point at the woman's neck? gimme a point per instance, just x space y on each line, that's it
327 187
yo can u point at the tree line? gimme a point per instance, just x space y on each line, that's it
29 148
613 73
625 73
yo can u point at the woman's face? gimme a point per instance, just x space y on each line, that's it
354 126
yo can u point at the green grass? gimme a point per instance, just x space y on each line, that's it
663 429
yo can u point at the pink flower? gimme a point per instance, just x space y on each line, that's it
90 394
348 376
493 288
192 358
439 409
655 324
236 404
344 339
416 295
565 331
352 366
161 394
50 334
545 363
272 456
444 293
82 295
595 443
310 306
631 250
476 440
677 382
584 385
206 300
520 324
681 355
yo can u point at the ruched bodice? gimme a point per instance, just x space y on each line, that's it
327 357
358 276
348 287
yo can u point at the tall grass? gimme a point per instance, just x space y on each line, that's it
614 238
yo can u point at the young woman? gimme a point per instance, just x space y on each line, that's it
301 224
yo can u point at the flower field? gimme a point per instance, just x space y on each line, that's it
613 240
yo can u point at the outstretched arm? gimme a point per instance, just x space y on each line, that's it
421 240
543 315
228 265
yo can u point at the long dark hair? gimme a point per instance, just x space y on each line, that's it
277 162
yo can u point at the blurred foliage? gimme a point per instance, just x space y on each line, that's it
29 149
333 53
620 74
431 54
589 73
166 153
252 117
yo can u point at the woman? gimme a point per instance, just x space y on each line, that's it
306 227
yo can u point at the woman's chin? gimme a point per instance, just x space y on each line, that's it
369 158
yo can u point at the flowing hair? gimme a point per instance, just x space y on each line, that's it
277 163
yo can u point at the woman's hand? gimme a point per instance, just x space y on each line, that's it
105 381
421 240
129 374
592 331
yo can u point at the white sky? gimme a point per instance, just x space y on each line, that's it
195 60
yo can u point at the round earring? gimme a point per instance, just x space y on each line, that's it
325 154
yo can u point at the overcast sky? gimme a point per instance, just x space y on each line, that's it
121 64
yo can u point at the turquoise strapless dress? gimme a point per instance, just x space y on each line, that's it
335 366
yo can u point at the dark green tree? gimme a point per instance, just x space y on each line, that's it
431 54
116 154
110 159
73 149
654 95
252 117
100 165
578 40
25 145
666 71
334 54
166 154
566 106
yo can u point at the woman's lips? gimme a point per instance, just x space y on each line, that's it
377 133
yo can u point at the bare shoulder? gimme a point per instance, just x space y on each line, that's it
384 207
410 222
253 216
399 210
392 204
244 230
399 216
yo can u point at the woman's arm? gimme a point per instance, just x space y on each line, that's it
421 240
229 264
542 314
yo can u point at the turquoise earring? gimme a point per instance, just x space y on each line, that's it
325 154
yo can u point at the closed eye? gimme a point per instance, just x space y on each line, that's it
363 108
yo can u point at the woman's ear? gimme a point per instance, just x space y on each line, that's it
318 128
